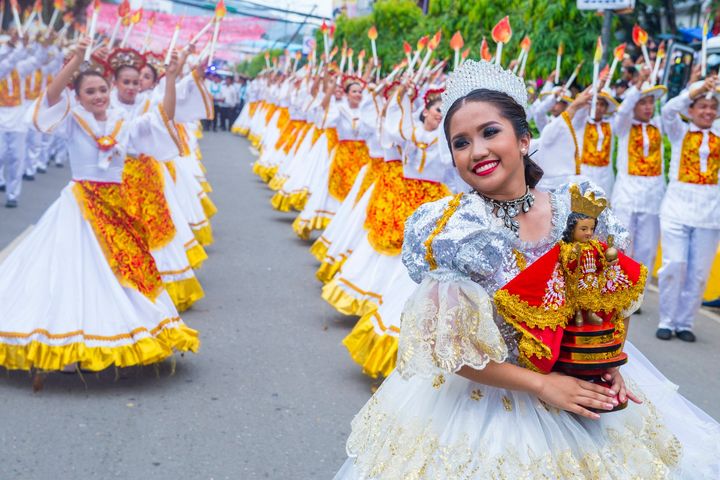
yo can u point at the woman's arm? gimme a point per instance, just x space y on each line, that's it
556 389
64 77
170 77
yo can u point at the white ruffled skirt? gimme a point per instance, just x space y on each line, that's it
62 303
448 427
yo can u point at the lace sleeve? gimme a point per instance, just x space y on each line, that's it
446 325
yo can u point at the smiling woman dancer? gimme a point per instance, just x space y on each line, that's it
83 287
460 405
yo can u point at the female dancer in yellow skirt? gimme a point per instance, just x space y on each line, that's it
83 288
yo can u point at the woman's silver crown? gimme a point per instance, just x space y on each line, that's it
472 75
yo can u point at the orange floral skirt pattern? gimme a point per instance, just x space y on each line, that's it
393 200
143 188
120 236
349 158
377 166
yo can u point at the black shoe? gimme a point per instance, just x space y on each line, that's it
638 311
2 188
29 178
59 165
41 170
11 204
663 333
686 336
712 303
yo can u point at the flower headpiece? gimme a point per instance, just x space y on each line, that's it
586 204
473 75
126 57
348 79
157 62
432 95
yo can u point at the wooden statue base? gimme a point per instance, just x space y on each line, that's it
587 352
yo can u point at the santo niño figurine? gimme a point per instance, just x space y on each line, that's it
569 304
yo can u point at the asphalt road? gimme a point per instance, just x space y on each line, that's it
271 392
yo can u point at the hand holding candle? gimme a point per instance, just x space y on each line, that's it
173 41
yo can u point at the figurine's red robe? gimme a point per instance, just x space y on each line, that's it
541 300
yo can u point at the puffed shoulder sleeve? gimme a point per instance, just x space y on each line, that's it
194 102
448 322
47 119
154 134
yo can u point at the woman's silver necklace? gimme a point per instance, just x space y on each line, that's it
507 210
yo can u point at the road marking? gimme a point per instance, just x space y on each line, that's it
4 253
704 312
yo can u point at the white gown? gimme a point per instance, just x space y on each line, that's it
62 302
426 422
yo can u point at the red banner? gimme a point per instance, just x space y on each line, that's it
233 30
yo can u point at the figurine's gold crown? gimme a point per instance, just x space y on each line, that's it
586 204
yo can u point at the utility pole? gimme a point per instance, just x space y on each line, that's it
606 33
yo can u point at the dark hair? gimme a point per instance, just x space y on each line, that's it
511 111
154 72
428 106
124 67
349 85
571 223
83 75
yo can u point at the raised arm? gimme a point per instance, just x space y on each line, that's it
170 78
64 77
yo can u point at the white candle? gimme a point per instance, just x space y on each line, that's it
213 43
524 62
558 63
115 31
126 36
424 63
593 105
173 41
646 56
572 78
16 19
374 52
51 25
498 54
202 31
91 33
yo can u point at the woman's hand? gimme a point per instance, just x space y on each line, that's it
576 396
171 72
617 381
707 86
80 49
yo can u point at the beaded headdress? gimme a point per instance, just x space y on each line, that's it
586 204
157 62
126 57
473 75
